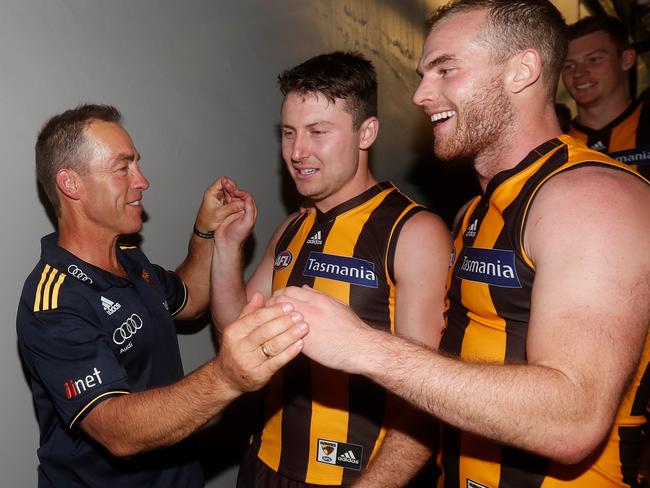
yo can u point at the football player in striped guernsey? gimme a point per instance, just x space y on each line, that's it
596 74
363 242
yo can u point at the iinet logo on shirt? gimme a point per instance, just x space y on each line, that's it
75 388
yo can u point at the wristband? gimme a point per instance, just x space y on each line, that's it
203 235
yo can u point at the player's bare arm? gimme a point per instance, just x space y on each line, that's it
215 210
229 291
421 264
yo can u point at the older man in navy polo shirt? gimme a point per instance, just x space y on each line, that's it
96 320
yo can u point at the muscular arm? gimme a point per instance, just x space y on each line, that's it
587 234
421 264
135 423
195 269
229 292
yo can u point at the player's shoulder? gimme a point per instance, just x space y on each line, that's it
423 223
53 299
414 212
599 184
424 238
586 172
50 285
590 203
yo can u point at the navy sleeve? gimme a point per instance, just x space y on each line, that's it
71 357
173 288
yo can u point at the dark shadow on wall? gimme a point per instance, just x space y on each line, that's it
445 185
47 206
221 445
291 199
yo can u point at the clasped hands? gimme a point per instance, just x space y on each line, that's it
266 336
227 211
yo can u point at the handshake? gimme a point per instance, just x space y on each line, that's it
266 336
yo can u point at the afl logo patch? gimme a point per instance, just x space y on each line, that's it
282 260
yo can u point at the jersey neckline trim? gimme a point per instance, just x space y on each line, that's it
353 202
533 156
590 131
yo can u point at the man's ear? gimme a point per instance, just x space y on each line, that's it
68 183
369 130
523 70
628 58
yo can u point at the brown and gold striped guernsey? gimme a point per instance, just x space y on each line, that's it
489 291
322 426
626 138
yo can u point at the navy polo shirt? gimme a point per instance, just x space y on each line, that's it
86 335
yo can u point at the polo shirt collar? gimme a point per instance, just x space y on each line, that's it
88 274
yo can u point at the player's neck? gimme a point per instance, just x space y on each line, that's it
526 133
600 113
353 188
96 248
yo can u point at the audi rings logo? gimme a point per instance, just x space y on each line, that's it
75 271
127 330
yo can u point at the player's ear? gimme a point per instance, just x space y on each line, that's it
368 131
522 70
68 183
628 58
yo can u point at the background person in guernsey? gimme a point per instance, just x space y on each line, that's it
610 119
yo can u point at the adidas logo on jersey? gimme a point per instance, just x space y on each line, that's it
110 307
316 239
348 457
472 229
342 454
599 146
474 484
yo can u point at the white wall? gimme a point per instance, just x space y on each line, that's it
195 81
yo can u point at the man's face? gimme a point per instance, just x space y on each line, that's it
594 69
461 91
320 148
113 183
